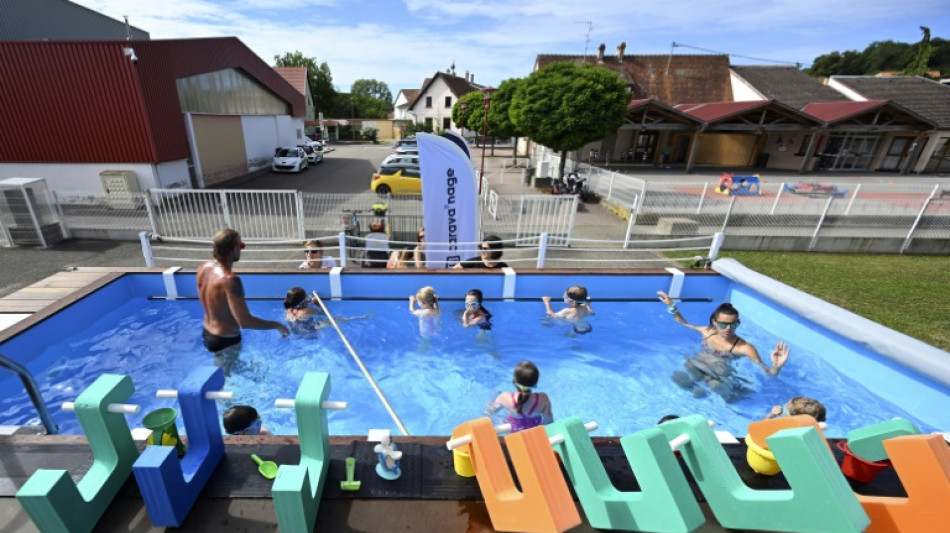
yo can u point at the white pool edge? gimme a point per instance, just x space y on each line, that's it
896 346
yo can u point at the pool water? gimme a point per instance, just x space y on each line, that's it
618 376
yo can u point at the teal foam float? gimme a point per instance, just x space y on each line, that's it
664 503
868 442
50 497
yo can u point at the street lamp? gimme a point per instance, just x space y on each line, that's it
462 106
487 92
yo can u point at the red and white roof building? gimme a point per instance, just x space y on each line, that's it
161 109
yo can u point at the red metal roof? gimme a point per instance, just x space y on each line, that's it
713 111
296 76
86 102
835 111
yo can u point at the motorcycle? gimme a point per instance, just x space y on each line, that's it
573 185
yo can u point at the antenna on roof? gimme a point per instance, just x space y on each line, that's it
670 59
590 26
128 29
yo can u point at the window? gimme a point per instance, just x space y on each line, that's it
446 123
940 160
429 102
428 126
411 173
448 101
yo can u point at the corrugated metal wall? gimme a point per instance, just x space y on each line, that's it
58 20
87 102
70 101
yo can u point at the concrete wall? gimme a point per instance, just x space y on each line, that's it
260 140
84 177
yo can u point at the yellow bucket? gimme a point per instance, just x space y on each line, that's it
463 463
760 459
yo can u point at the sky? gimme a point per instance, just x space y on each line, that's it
402 42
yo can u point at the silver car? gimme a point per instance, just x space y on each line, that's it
290 159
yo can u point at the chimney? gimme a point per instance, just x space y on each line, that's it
620 48
466 75
473 78
600 52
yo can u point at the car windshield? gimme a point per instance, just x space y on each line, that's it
287 152
307 149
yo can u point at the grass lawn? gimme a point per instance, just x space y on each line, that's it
910 294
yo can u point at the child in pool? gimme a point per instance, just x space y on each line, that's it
301 317
800 405
577 311
243 420
526 409
475 313
428 311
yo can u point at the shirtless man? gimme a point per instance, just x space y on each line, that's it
222 298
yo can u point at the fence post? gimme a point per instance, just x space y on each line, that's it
814 237
910 234
717 240
777 196
225 212
151 215
851 201
634 207
610 186
54 201
570 224
147 249
301 227
702 198
542 249
343 249
520 216
725 221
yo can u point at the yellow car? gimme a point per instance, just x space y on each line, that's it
397 180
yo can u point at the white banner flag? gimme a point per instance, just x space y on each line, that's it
449 201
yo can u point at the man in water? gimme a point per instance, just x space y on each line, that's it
222 298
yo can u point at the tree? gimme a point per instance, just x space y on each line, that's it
564 106
474 111
371 98
499 114
922 52
318 78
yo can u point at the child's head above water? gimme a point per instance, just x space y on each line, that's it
576 295
295 297
427 296
241 420
526 375
803 405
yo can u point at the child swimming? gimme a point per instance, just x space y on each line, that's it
475 313
577 311
428 311
526 409
301 317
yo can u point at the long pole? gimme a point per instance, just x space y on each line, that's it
484 142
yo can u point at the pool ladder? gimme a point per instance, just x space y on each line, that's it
30 385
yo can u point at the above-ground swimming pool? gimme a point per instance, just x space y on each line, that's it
619 375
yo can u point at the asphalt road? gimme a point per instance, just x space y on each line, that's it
347 169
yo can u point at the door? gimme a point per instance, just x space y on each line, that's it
848 151
645 148
897 153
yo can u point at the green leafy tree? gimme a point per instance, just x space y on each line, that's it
918 66
499 114
565 106
474 111
318 78
372 98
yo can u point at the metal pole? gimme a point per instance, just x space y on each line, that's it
542 249
631 222
725 221
717 240
342 249
148 209
777 196
224 209
146 249
300 216
920 215
484 135
814 237
702 198
33 391
851 201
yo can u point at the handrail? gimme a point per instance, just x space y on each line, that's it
30 384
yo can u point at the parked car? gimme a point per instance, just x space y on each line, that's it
408 141
314 155
397 180
407 150
398 159
317 145
289 159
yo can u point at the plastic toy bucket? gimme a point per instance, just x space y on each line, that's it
463 463
858 469
164 433
760 459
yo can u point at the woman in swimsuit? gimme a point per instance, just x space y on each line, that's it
475 313
526 409
721 346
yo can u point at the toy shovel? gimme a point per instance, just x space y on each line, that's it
267 469
350 483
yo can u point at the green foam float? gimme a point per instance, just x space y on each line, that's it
868 442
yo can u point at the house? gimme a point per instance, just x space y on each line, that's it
926 98
297 77
401 104
175 113
893 134
432 106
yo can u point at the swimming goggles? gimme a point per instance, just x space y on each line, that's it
253 429
471 304
569 299
724 325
